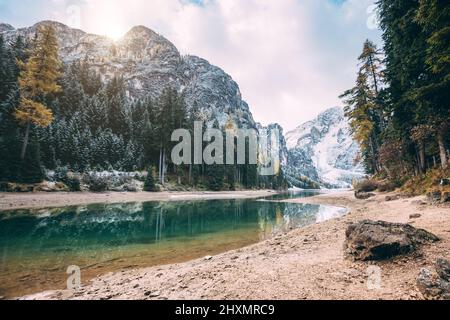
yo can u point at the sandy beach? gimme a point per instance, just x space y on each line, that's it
305 263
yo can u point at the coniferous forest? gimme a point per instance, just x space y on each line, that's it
399 109
66 120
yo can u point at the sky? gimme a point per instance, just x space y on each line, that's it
291 58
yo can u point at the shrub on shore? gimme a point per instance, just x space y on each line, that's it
98 183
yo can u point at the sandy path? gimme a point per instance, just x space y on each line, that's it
12 201
306 263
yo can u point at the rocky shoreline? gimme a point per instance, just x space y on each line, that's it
307 263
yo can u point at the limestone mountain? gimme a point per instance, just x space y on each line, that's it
324 150
148 62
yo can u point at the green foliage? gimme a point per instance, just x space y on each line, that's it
399 109
97 183
31 170
149 184
215 174
363 106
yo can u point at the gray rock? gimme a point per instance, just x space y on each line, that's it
379 240
392 198
432 286
438 196
445 197
361 195
152 294
443 268
434 196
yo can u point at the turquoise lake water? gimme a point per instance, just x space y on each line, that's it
37 246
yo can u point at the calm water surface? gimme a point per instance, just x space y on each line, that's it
37 246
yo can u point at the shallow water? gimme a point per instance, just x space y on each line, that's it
37 246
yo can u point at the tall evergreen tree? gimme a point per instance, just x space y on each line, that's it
363 107
434 95
37 81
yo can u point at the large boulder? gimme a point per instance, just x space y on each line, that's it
435 285
380 240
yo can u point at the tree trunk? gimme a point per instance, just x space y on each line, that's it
25 141
442 152
375 82
190 174
374 155
421 157
163 166
160 166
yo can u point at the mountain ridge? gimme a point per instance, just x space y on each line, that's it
149 63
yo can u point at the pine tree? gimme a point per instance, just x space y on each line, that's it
170 115
73 95
359 110
117 113
38 80
215 177
9 100
434 96
405 72
149 185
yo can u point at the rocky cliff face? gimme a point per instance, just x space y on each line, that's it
149 63
324 151
276 147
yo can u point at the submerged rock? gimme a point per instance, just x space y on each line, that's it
435 285
379 240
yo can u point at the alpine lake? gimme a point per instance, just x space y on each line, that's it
37 246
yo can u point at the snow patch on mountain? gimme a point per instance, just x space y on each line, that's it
327 147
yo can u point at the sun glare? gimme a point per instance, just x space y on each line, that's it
110 24
114 32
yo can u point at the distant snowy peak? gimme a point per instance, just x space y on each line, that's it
326 145
312 131
5 27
